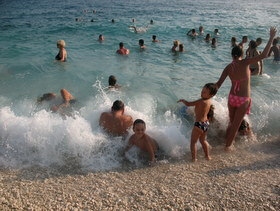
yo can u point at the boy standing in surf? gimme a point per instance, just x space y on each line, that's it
202 107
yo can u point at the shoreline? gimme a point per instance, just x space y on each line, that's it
246 179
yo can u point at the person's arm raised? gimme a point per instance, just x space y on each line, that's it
223 76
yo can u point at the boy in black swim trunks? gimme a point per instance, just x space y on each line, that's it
202 107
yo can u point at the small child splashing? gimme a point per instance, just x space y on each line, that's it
202 108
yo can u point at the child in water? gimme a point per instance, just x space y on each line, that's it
202 107
62 54
142 140
113 82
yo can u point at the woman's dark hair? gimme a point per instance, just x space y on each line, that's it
253 44
138 121
233 39
237 52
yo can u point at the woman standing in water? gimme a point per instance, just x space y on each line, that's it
239 101
62 54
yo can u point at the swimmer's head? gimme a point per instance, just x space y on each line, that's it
214 41
154 37
209 90
237 52
207 37
113 21
245 39
101 37
216 31
141 42
275 42
259 41
46 97
112 80
193 31
176 42
121 45
60 44
210 115
181 47
233 40
118 106
200 29
133 20
151 22
139 127
253 44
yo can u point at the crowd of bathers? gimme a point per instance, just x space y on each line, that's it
117 123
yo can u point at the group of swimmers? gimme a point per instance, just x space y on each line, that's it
116 123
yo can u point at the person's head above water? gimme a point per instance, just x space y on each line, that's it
118 106
253 44
141 42
176 42
193 31
214 41
259 41
154 37
112 80
113 21
101 37
139 121
60 44
46 97
201 29
237 52
216 31
209 90
245 39
151 22
181 47
208 36
121 44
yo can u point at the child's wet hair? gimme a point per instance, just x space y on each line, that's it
141 42
154 37
233 39
244 125
118 105
212 88
237 52
112 80
139 121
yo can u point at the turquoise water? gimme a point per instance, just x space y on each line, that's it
153 80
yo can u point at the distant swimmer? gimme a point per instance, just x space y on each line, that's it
214 42
201 30
259 41
192 33
122 50
67 99
62 54
151 22
139 29
112 81
133 20
233 42
216 32
115 122
141 44
143 141
101 38
176 43
251 53
208 38
244 40
94 11
154 37
113 20
181 47
275 49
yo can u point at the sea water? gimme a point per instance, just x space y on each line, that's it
152 80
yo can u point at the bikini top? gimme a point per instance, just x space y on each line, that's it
58 56
236 82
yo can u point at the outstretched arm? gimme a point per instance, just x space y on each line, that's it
188 103
265 52
223 76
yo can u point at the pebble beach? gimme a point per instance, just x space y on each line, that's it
245 179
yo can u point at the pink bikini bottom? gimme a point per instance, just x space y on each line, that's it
237 101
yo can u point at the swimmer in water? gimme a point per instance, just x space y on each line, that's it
214 42
62 54
112 81
192 33
208 38
122 50
251 53
154 37
233 42
67 99
181 47
176 43
141 44
216 32
276 50
201 30
113 21
244 40
142 140
151 22
101 38
202 108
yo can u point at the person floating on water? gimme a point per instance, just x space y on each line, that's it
101 38
176 43
141 44
67 99
239 100
142 140
276 50
112 81
62 54
154 37
122 50
192 33
202 108
116 123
